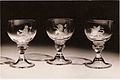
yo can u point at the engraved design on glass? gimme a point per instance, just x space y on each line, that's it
98 31
59 30
21 31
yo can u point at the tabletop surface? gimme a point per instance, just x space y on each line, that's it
42 70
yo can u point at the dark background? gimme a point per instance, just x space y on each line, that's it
80 11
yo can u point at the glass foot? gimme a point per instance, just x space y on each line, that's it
59 60
98 63
37 57
79 60
5 60
21 64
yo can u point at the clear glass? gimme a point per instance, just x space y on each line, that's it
59 30
21 31
98 31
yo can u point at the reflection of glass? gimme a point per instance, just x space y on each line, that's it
59 30
98 31
21 31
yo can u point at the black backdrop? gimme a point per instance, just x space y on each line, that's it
80 11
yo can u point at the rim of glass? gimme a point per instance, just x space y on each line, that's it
21 20
51 19
95 20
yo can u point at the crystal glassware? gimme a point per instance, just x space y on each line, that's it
98 31
21 31
59 30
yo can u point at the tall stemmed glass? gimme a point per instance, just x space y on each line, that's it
98 31
21 31
59 30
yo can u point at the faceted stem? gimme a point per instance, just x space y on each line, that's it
22 61
98 47
98 62
22 48
60 45
59 49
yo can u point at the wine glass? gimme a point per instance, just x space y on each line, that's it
21 31
59 30
98 31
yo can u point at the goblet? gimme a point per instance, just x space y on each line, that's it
59 30
98 31
21 31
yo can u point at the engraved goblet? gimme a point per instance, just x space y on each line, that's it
21 31
98 31
59 30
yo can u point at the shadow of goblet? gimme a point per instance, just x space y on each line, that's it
78 60
38 56
5 60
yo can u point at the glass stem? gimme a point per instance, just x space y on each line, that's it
59 45
59 48
22 48
98 47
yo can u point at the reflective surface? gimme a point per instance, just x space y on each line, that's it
79 60
5 60
46 71
38 56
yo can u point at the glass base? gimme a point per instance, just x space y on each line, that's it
37 57
98 63
59 60
79 60
22 64
5 60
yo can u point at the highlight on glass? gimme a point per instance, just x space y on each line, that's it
59 30
21 31
98 31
